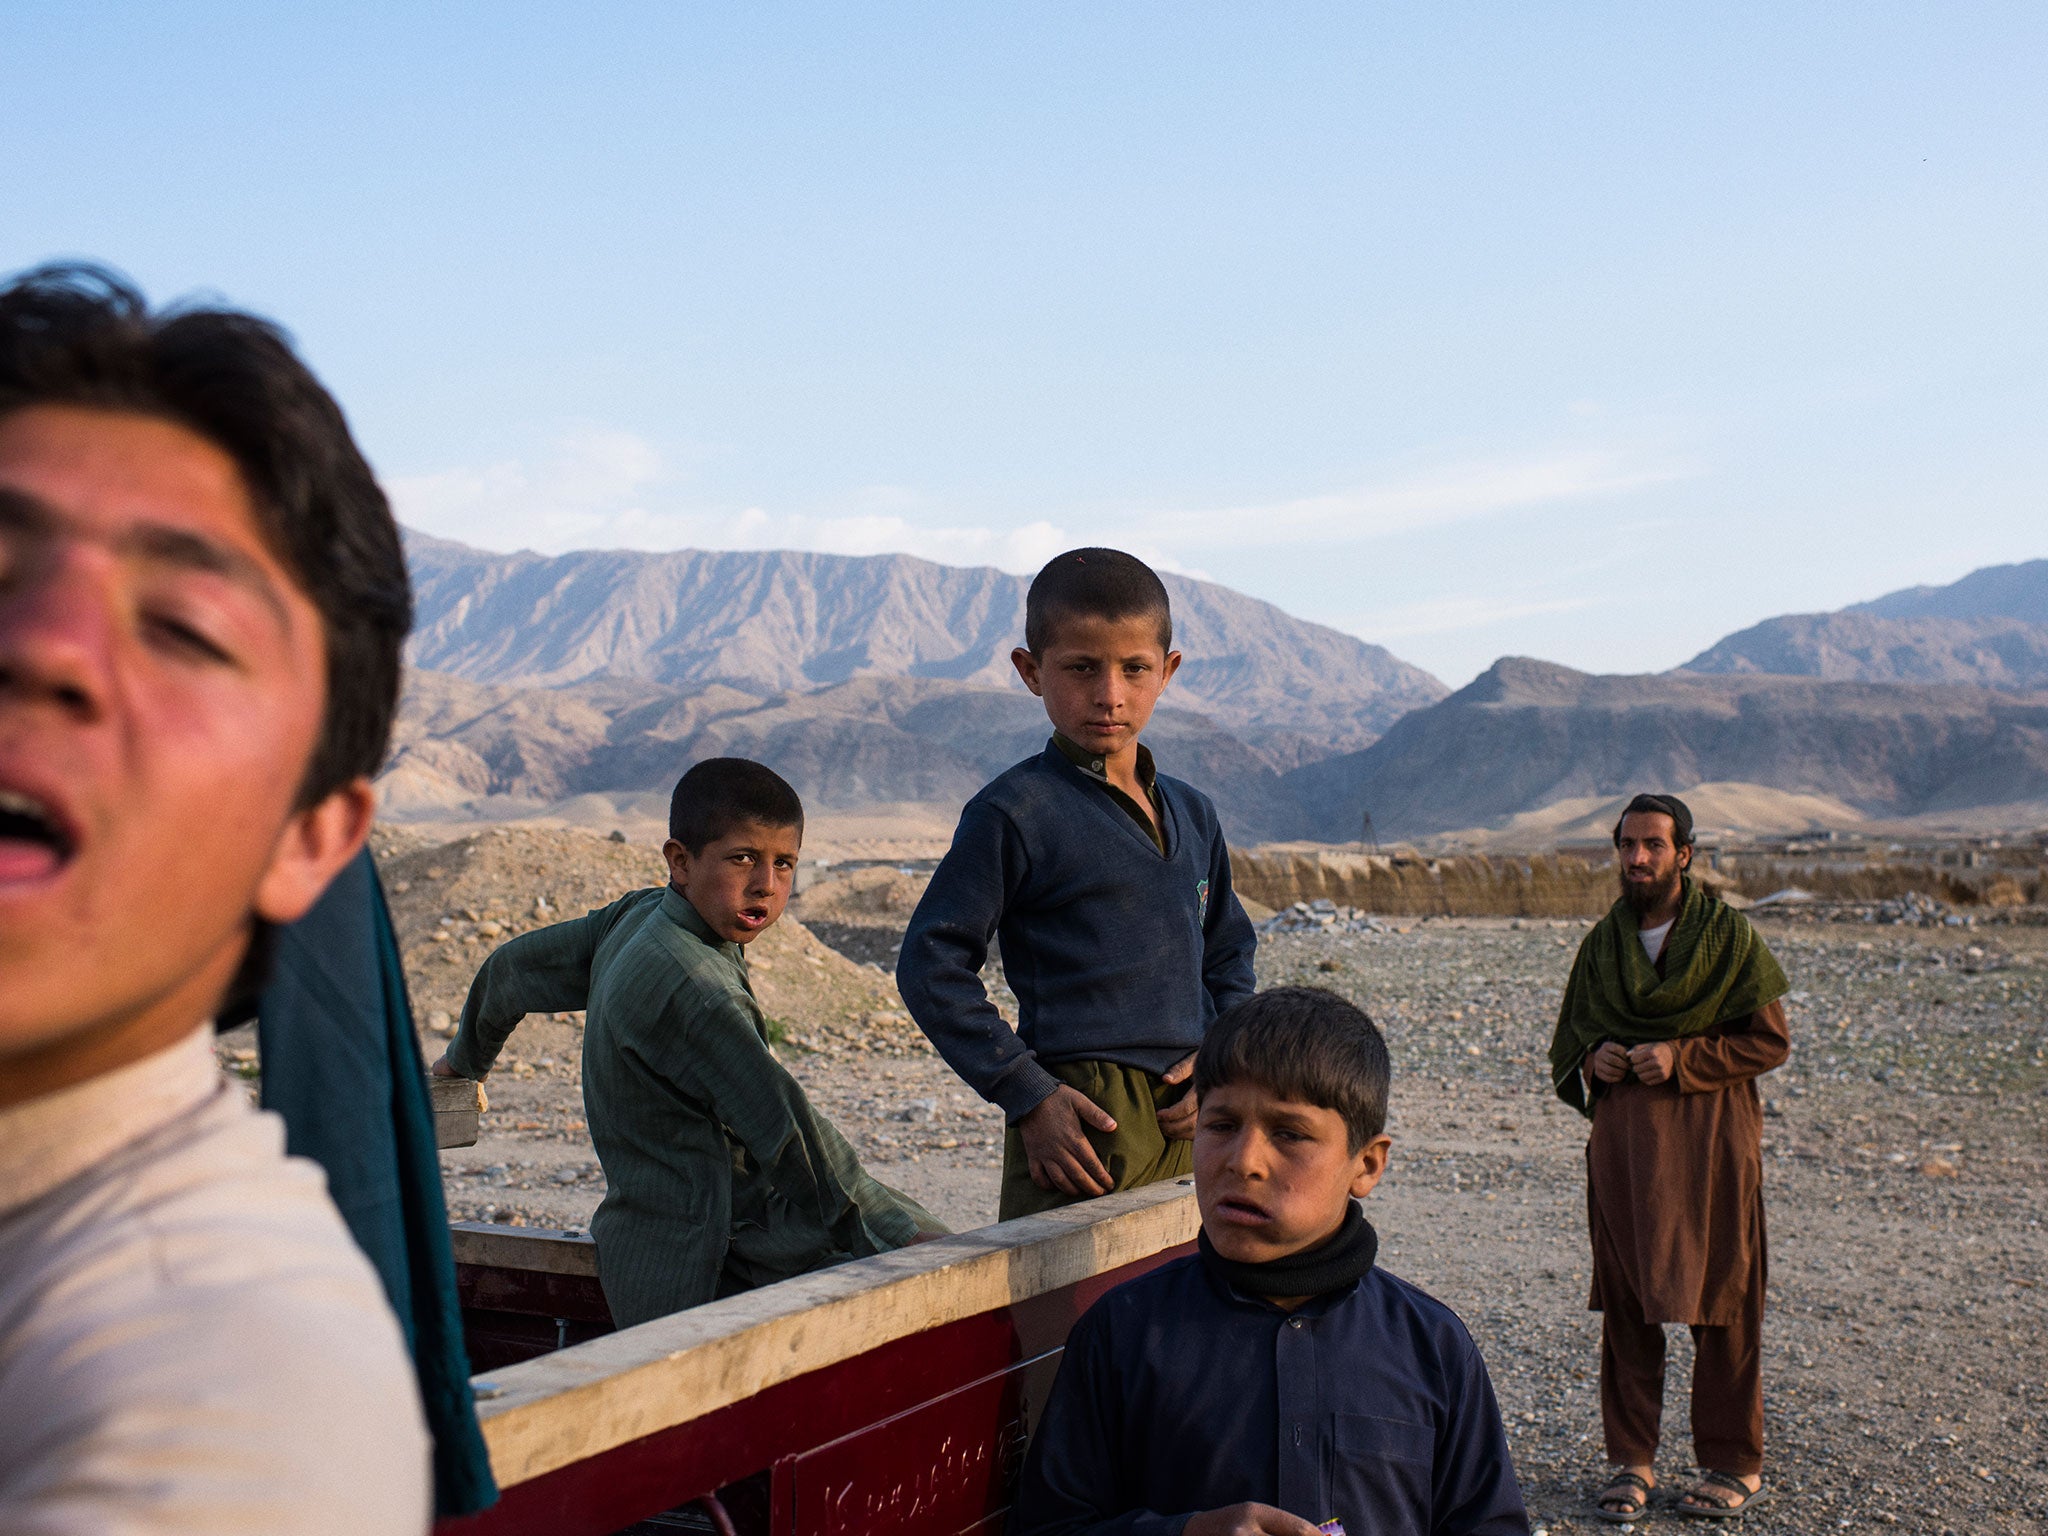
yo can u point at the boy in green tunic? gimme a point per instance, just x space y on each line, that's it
721 1175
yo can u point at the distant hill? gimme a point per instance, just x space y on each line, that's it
1989 630
1529 734
1994 592
870 741
772 623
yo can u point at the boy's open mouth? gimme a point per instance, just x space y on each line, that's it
752 917
1243 1213
36 839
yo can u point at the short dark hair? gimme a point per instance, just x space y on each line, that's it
1305 1044
1094 583
721 792
1660 805
80 335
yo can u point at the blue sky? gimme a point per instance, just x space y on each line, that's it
1583 331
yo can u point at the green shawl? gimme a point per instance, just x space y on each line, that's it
1716 968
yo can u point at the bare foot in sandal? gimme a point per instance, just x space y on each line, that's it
1721 1496
1626 1496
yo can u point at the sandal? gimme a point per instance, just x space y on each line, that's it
1714 1506
1631 1488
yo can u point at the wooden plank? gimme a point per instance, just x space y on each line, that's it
544 1250
581 1402
776 1427
458 1103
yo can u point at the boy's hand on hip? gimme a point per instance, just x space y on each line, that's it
1059 1152
1248 1520
1654 1063
1177 1120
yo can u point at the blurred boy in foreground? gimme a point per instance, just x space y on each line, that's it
1278 1379
202 600
721 1175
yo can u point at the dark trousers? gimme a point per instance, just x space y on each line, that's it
1727 1389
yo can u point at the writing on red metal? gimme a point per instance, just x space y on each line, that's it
944 1467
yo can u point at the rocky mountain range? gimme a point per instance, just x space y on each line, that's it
1528 734
782 622
1988 630
885 681
862 743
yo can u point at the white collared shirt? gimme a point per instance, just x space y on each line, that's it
190 1341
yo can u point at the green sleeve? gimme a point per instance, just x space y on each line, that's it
546 971
710 1047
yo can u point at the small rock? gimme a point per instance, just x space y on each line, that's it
440 1022
1940 1168
617 836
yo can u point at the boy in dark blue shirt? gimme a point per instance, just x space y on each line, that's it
1108 885
1278 1379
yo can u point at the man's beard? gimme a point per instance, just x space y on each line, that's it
1647 897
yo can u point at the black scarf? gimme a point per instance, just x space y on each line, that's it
1344 1256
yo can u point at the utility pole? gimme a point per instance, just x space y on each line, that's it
1367 842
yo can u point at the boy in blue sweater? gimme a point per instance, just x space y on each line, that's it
1279 1382
1108 886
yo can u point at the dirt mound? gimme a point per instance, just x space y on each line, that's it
878 897
453 903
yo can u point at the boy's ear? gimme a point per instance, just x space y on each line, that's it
310 852
1027 668
1371 1165
1172 666
677 858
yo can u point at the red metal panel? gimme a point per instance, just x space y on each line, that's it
945 1467
987 1361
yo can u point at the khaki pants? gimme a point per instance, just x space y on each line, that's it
1135 1153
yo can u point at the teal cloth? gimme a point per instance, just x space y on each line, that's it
342 1066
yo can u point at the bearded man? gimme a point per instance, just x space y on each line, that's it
1671 1013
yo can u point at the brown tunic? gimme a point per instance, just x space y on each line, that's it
1674 1179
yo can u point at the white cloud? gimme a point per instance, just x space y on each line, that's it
604 488
1461 493
588 482
610 489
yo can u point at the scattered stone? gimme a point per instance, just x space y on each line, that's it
1325 915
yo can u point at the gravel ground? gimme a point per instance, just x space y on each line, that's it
1906 1371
